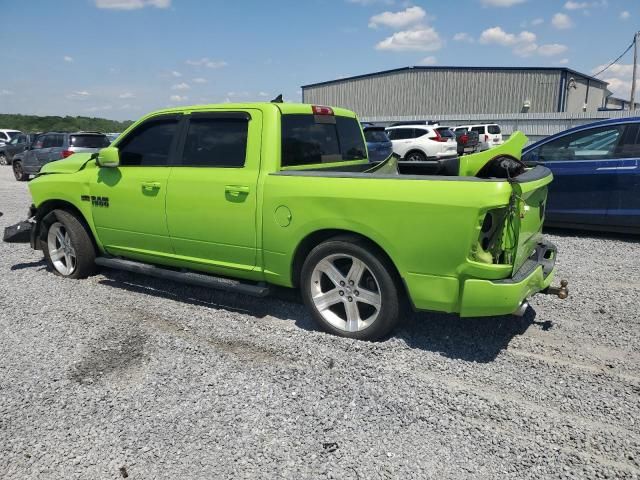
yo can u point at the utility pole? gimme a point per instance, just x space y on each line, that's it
632 105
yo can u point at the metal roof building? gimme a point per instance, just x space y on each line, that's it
416 91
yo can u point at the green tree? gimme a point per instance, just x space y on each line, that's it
34 123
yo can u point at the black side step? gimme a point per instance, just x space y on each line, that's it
192 278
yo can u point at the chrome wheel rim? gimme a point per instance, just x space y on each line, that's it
61 251
3 159
415 157
17 169
345 292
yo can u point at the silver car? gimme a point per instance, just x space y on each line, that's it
52 146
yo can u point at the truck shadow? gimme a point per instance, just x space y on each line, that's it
469 339
38 263
283 303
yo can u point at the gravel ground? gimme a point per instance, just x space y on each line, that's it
121 375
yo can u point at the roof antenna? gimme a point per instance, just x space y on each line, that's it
278 99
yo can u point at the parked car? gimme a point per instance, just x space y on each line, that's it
112 136
292 200
7 134
489 135
52 146
597 175
378 144
468 141
418 143
18 144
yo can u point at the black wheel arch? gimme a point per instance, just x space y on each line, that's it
316 238
45 216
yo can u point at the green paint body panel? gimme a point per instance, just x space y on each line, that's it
249 222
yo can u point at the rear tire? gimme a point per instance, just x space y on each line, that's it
350 289
18 172
67 247
415 156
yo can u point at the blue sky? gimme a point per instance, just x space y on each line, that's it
122 58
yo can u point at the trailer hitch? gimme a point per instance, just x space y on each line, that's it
561 292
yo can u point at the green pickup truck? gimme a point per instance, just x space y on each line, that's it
245 196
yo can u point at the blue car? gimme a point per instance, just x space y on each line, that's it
596 171
378 144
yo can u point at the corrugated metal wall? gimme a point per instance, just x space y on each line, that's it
442 91
577 96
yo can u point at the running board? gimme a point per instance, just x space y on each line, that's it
192 278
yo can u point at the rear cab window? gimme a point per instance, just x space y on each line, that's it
315 139
493 129
88 141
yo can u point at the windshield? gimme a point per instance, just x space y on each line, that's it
89 141
375 136
309 139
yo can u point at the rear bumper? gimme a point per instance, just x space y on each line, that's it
481 298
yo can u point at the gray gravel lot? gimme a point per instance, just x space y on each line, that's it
125 375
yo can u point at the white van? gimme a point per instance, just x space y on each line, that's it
489 134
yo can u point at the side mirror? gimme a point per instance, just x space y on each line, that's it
108 157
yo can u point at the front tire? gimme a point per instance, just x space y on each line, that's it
18 172
67 246
350 289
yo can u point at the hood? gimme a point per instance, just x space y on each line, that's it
71 164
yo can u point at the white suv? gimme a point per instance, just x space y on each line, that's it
489 134
418 143
6 135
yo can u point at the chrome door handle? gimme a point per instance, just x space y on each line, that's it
151 185
236 189
631 167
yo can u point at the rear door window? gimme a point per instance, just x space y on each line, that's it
89 141
478 130
49 141
306 141
216 142
400 133
493 129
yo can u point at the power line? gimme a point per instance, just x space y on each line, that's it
616 60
